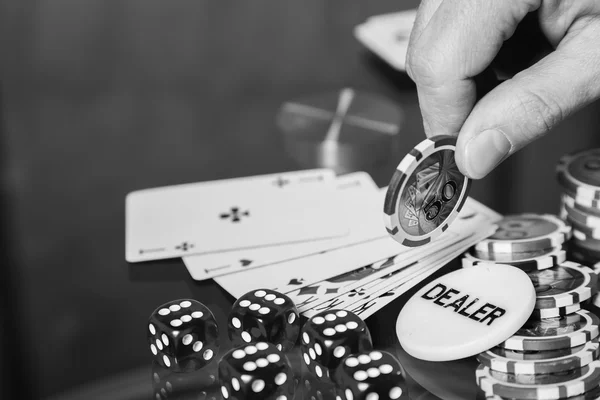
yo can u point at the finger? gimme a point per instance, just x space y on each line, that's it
527 106
426 10
557 17
459 42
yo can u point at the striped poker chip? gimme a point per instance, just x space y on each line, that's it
586 242
587 236
582 244
540 355
539 362
586 231
593 394
581 239
525 233
426 192
512 257
555 312
554 386
585 204
525 261
582 218
567 284
578 173
554 333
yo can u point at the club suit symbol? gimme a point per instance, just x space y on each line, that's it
185 246
355 292
235 215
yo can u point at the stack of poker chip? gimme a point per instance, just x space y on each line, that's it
555 355
579 177
531 242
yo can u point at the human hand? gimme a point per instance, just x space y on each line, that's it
453 41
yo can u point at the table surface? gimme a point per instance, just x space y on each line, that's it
100 98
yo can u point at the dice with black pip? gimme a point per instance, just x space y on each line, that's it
256 371
183 335
329 336
371 375
197 385
264 315
316 389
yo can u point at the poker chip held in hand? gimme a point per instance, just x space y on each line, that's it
426 192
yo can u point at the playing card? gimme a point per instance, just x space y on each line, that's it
386 291
471 221
320 292
300 272
387 36
367 290
366 306
359 198
295 274
231 214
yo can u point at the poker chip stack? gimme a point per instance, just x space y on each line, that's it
579 177
531 242
555 354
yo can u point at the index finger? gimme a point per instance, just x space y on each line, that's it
426 10
458 43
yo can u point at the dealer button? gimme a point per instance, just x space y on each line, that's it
465 312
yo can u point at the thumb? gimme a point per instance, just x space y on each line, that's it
526 107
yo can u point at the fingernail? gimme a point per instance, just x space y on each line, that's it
485 151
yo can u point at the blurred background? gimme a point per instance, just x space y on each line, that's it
102 97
